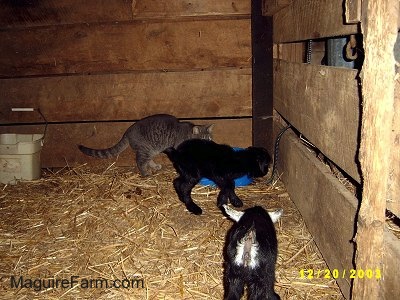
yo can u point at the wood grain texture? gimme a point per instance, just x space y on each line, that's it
262 75
327 207
393 199
15 14
270 7
196 94
379 27
391 271
293 52
122 47
353 11
61 139
304 19
323 104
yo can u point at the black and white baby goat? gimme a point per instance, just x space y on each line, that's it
196 158
251 251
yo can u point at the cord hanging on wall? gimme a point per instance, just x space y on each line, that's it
31 109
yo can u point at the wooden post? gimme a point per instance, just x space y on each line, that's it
262 76
379 26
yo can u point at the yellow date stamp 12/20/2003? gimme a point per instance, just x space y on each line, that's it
336 273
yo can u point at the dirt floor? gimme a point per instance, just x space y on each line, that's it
107 233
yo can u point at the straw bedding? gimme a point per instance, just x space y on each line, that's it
109 223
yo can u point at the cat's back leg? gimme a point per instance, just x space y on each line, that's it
143 162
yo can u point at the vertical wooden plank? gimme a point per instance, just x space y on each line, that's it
380 31
327 207
393 199
262 76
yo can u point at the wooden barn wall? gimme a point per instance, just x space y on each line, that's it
323 104
84 63
329 105
328 208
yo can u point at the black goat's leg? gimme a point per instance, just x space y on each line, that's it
227 187
183 187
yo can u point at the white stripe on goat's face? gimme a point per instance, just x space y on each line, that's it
247 251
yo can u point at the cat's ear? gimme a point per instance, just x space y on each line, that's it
210 128
196 130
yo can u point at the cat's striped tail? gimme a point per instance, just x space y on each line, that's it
106 153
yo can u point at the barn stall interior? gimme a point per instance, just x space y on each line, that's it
84 71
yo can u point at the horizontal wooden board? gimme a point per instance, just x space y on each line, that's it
327 207
61 139
121 47
294 52
52 12
188 8
323 104
219 93
304 19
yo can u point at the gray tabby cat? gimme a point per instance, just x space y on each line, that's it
151 136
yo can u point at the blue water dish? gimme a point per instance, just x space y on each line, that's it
241 181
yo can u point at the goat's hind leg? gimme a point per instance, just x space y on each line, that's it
228 192
183 187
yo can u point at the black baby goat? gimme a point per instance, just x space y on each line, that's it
250 254
196 158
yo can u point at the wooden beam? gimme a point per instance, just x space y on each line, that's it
121 47
393 198
379 27
323 104
391 271
262 77
132 96
304 19
61 139
327 207
270 7
15 14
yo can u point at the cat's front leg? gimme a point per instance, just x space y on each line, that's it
154 166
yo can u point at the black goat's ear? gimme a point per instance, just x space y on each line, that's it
232 213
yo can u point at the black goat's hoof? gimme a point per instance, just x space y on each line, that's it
237 202
194 209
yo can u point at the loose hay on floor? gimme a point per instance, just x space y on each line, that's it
109 223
